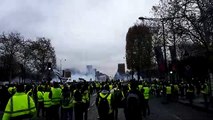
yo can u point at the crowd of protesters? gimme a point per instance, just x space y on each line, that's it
55 101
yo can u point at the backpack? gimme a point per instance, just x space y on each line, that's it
103 106
78 96
118 98
133 102
118 95
66 101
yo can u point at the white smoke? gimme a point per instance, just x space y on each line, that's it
88 75
85 77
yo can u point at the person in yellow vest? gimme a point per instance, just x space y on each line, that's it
66 104
118 99
129 87
140 87
176 92
78 103
29 90
205 92
134 103
168 93
55 96
4 97
47 103
152 90
110 86
97 85
104 104
85 100
190 93
20 106
146 93
40 105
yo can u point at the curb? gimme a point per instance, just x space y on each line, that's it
197 107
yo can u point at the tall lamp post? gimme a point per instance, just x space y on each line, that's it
49 69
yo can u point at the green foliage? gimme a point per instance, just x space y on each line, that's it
42 52
139 53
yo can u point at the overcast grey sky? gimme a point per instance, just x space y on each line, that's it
82 31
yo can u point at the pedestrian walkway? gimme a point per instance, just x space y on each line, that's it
198 103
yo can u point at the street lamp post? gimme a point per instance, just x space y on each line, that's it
49 69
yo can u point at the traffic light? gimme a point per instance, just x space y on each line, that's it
49 66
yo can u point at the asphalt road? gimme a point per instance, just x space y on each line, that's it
175 111
159 111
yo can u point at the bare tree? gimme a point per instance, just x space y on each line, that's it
192 20
42 53
10 49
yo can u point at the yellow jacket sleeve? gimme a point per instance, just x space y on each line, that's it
32 107
7 111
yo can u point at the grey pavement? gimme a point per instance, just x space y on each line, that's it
159 111
198 103
175 111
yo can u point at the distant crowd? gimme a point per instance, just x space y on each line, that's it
72 100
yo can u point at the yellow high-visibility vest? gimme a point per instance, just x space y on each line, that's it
140 87
47 100
176 87
56 96
70 104
146 92
20 104
110 87
30 93
108 99
85 96
168 90
205 90
40 96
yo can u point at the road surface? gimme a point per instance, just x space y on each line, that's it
159 111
